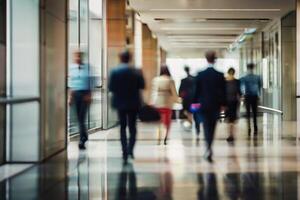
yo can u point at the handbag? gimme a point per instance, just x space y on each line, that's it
195 108
149 114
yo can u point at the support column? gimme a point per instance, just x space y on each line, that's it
115 42
53 76
298 65
149 59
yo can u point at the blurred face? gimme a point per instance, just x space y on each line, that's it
231 73
77 57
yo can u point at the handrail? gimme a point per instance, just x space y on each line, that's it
16 100
271 109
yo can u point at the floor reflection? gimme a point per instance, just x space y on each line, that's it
250 170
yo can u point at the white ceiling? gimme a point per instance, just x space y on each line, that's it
195 25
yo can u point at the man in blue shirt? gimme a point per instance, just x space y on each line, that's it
251 86
80 93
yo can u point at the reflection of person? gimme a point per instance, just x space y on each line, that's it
233 99
127 177
187 93
80 93
232 179
125 84
251 85
208 189
165 191
163 97
210 93
127 186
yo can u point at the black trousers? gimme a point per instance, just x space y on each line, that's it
81 111
251 104
209 125
197 123
127 118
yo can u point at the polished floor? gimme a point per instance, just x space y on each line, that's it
266 168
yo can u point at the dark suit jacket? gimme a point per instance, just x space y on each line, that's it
125 83
210 90
187 88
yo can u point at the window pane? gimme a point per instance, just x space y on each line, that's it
95 61
25 47
24 137
2 47
73 45
96 8
84 13
2 75
73 27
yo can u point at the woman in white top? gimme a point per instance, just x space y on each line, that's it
163 97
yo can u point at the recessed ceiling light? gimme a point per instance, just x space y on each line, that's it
250 30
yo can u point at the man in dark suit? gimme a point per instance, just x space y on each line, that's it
187 93
126 84
210 93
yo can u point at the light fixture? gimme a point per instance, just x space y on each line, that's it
250 31
200 28
214 9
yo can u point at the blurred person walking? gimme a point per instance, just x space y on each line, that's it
210 93
126 84
251 87
163 97
233 95
187 93
80 93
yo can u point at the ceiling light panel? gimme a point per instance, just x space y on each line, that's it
216 10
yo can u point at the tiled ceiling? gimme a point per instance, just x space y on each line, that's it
194 25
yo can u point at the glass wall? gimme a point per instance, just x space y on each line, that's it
95 60
263 49
23 81
2 76
85 33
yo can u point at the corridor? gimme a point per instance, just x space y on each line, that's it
266 168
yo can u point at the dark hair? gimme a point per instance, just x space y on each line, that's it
250 66
211 56
187 69
165 71
125 56
231 70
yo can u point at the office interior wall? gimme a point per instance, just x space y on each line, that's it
150 56
288 48
53 76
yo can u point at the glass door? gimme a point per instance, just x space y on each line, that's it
85 33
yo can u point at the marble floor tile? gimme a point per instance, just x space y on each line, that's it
266 168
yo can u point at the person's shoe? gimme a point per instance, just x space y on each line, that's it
230 139
81 145
131 156
165 142
158 142
208 156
